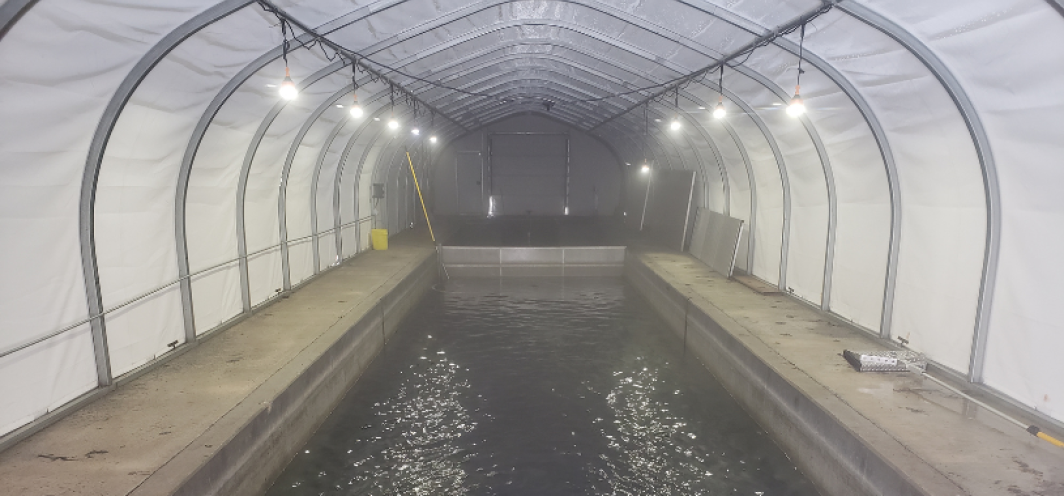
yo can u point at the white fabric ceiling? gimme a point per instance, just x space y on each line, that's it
143 148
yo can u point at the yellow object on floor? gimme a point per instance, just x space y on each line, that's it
379 238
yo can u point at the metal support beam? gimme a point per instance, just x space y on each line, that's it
282 195
10 13
987 165
245 173
94 162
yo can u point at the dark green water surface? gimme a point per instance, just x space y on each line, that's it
539 386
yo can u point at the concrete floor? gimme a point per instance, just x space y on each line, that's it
113 445
975 449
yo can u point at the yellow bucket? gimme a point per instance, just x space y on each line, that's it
379 238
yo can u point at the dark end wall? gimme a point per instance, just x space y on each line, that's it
595 177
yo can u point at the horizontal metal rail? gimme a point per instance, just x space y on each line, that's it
159 289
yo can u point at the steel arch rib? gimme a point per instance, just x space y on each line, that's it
337 221
10 13
753 193
456 17
245 173
988 167
493 28
286 170
282 196
94 161
761 127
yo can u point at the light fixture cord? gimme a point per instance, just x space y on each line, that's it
720 83
801 55
646 130
284 42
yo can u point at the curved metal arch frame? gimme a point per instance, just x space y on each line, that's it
768 84
585 53
990 258
282 196
94 162
316 178
496 27
337 214
988 167
10 13
245 173
752 184
600 75
565 85
855 97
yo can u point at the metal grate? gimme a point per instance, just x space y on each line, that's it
886 361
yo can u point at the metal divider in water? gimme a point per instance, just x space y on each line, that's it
478 261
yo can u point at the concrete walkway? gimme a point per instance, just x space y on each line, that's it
113 445
975 449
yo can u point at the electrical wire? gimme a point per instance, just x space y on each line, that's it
378 70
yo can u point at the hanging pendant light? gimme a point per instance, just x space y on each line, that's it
675 124
287 89
797 106
393 124
720 112
432 139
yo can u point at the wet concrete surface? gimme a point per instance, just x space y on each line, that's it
929 427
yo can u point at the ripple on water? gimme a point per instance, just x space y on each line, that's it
540 387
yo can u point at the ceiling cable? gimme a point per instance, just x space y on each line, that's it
745 52
379 69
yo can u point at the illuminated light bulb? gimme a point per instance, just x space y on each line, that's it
646 169
797 106
356 109
288 89
415 131
675 125
432 139
393 124
720 111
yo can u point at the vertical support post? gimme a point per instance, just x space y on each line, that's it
568 164
646 199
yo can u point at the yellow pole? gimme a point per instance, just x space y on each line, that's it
422 198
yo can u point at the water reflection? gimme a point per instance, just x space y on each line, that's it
538 387
413 450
